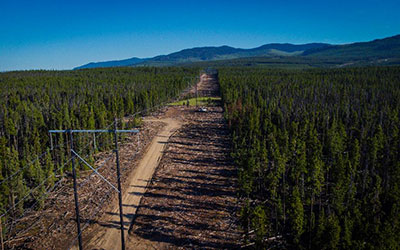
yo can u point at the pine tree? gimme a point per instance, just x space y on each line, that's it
259 223
296 215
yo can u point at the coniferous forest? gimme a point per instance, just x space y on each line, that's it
33 102
317 151
318 155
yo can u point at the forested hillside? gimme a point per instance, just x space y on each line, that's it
32 102
207 54
318 155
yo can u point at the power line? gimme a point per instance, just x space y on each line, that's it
30 164
47 177
30 209
93 172
40 157
34 189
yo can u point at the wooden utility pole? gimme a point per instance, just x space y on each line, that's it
78 219
121 215
1 233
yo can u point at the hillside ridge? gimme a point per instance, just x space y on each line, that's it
208 53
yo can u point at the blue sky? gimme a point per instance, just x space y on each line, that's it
64 34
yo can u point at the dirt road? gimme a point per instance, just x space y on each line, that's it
107 236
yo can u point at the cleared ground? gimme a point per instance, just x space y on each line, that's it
191 201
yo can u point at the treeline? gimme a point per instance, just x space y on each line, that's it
32 102
318 155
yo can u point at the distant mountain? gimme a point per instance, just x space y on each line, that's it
226 52
201 54
377 49
116 63
377 52
287 47
197 54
